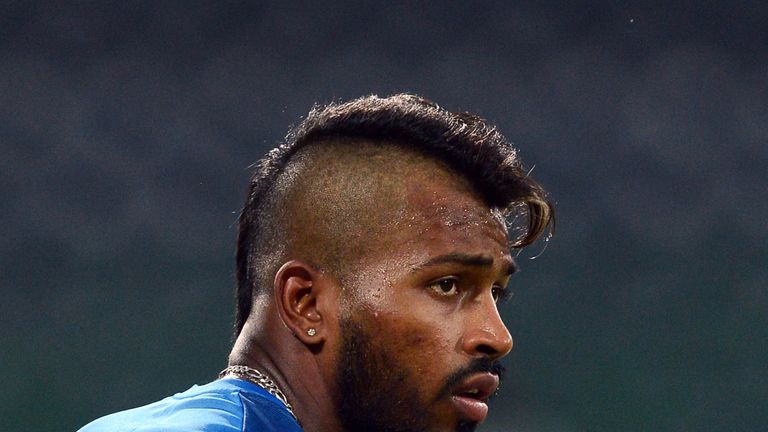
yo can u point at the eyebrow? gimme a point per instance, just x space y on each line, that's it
468 260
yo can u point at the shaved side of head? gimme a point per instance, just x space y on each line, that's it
339 199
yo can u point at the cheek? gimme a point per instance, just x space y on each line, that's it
415 340
434 340
414 328
418 343
413 322
429 354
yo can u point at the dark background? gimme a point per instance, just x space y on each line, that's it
127 129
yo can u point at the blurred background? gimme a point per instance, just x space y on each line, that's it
127 130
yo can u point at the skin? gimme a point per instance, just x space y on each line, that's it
424 295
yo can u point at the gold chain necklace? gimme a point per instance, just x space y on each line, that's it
261 380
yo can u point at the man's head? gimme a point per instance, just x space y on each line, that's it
395 211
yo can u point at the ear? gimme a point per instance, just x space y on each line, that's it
296 293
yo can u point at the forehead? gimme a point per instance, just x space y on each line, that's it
449 199
433 213
444 211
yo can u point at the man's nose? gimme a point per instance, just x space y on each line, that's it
486 335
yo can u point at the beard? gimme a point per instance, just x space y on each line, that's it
376 393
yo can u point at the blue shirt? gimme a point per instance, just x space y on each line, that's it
225 405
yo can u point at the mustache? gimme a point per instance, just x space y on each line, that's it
481 365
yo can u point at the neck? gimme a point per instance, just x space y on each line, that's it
274 351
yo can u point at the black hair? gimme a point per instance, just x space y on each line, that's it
464 142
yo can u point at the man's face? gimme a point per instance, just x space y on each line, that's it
420 331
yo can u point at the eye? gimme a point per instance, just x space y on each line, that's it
446 286
497 293
501 295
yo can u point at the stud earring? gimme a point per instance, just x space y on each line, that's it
311 332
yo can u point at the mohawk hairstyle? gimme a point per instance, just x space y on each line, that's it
466 143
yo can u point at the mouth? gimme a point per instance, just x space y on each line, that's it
471 395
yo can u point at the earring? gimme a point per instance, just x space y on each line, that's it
311 332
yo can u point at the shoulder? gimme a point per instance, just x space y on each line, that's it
220 406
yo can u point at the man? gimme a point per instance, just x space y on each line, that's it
372 250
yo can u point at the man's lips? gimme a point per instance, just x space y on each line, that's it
470 396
